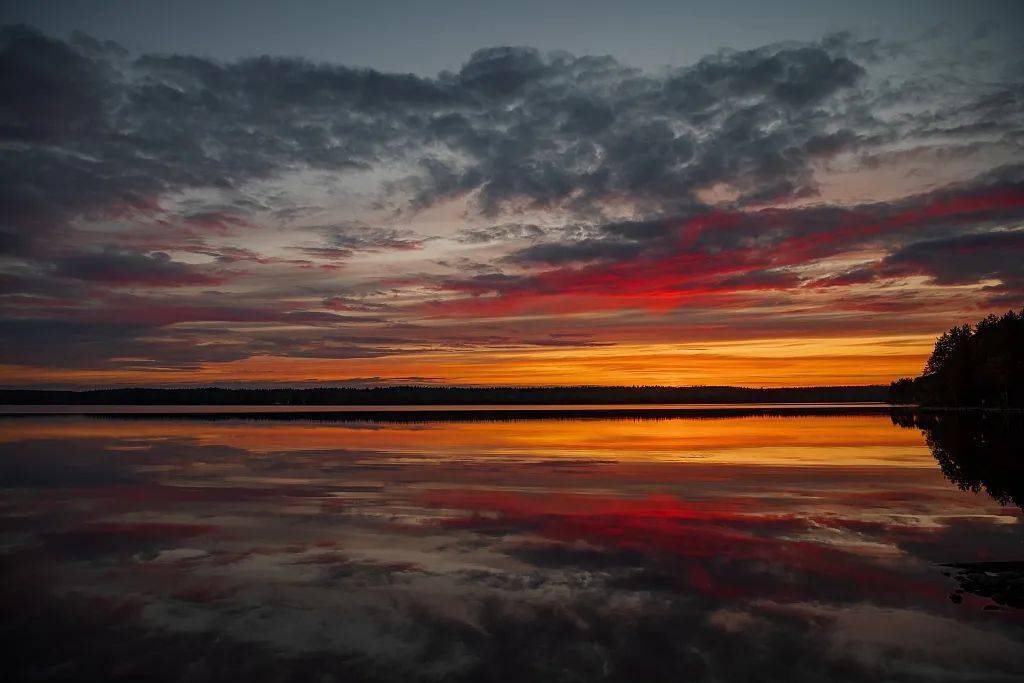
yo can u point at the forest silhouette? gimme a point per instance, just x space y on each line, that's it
979 366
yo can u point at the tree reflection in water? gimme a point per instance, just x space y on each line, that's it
979 450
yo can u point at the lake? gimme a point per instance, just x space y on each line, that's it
681 543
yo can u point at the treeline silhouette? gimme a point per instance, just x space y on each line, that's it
479 413
980 365
435 395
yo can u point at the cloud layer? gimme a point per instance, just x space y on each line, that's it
169 212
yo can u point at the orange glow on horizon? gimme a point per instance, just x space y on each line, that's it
756 363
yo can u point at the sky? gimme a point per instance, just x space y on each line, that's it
479 193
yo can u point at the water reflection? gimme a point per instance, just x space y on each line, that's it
979 451
597 549
976 450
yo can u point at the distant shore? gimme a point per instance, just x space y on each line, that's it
444 396
446 413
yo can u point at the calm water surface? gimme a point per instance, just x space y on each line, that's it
718 547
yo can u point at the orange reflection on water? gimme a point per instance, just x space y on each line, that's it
760 440
362 525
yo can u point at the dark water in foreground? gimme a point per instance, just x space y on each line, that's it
727 546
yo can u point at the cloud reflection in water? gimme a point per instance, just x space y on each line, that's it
597 549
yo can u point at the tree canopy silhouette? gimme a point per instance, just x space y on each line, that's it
979 365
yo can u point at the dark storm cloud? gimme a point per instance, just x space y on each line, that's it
106 344
581 130
95 134
962 259
966 259
141 332
674 181
51 89
516 124
40 341
117 267
97 131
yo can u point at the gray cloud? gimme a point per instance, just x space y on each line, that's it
95 135
98 130
500 233
965 259
514 125
118 267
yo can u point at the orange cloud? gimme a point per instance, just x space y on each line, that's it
780 362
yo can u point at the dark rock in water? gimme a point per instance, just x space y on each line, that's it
1001 582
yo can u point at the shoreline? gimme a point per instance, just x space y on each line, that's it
426 413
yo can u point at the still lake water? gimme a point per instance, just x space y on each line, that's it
723 545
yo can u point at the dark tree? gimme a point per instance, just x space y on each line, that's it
980 365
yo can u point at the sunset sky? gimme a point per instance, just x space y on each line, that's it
529 193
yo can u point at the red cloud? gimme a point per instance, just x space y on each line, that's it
721 253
